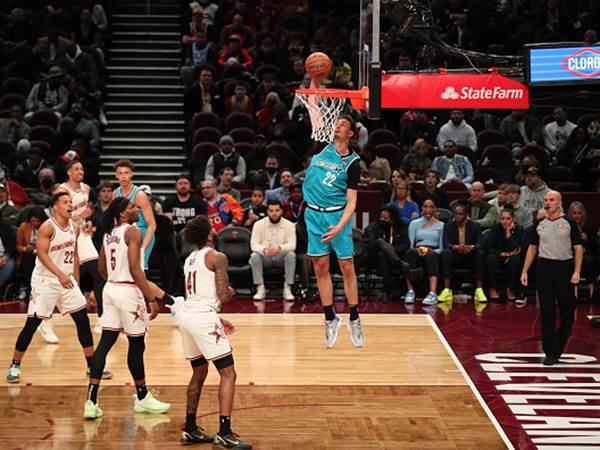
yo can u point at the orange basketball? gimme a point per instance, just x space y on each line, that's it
318 65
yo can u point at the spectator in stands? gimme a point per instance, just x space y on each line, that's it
17 196
266 51
27 235
281 193
532 194
98 14
199 53
50 94
462 249
341 72
426 236
104 190
194 27
407 210
51 48
235 53
240 101
183 206
589 240
480 211
8 252
226 156
223 210
225 178
85 128
526 162
500 199
503 247
378 168
8 213
268 178
264 91
416 163
332 35
86 32
80 67
556 134
237 26
583 157
458 131
452 166
280 127
210 11
439 196
257 209
14 128
203 96
26 173
404 61
47 184
519 130
273 244
300 176
386 241
295 205
257 158
419 127
521 215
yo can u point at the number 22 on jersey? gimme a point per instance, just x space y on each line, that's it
329 179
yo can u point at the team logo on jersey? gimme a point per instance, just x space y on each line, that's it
218 333
138 313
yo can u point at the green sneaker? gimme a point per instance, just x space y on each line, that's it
480 296
106 374
150 404
14 374
92 411
445 295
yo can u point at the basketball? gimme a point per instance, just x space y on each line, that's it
318 65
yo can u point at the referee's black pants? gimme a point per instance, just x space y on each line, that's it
553 279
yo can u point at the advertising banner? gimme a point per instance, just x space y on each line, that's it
563 65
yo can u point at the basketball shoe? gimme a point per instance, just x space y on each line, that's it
231 440
199 436
150 404
332 328
356 333
47 332
91 410
14 374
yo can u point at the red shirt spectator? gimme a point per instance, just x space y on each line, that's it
235 52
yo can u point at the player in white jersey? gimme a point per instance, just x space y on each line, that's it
121 264
54 283
88 256
204 334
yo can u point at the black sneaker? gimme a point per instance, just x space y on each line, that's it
231 440
199 436
550 360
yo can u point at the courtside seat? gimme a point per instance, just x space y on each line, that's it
234 242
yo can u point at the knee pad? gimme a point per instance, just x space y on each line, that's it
223 363
199 362
84 332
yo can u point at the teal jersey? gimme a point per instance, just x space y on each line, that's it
329 176
141 223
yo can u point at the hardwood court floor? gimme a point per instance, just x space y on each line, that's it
402 391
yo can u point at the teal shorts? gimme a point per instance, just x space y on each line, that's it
317 224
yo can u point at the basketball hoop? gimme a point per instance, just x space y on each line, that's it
325 105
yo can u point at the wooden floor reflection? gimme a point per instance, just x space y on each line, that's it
402 390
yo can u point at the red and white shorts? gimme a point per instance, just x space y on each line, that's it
124 309
47 293
202 334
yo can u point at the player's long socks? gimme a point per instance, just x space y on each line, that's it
190 422
329 312
141 390
354 312
224 425
93 392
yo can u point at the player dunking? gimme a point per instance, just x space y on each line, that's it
330 194
204 334
54 284
124 173
82 211
124 307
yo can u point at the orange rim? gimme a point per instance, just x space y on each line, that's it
358 98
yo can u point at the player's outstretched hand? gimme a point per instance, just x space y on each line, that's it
228 327
153 309
65 281
333 232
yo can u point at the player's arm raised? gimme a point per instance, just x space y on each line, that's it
133 239
42 247
143 202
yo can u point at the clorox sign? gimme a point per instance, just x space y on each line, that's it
584 63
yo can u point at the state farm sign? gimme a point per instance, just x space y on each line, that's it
447 91
584 63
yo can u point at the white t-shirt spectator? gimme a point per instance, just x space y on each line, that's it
463 134
555 135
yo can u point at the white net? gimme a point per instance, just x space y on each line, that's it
323 112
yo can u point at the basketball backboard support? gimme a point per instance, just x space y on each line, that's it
369 61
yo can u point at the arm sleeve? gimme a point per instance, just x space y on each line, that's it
353 173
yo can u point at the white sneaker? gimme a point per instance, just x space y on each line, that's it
47 332
287 292
102 118
150 404
261 292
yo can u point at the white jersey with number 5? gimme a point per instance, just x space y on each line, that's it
61 250
115 251
200 287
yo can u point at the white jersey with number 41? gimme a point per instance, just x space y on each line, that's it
200 287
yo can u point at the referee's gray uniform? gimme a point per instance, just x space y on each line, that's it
555 265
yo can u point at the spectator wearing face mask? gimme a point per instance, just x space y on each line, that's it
26 173
269 177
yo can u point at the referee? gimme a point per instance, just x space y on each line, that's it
557 243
